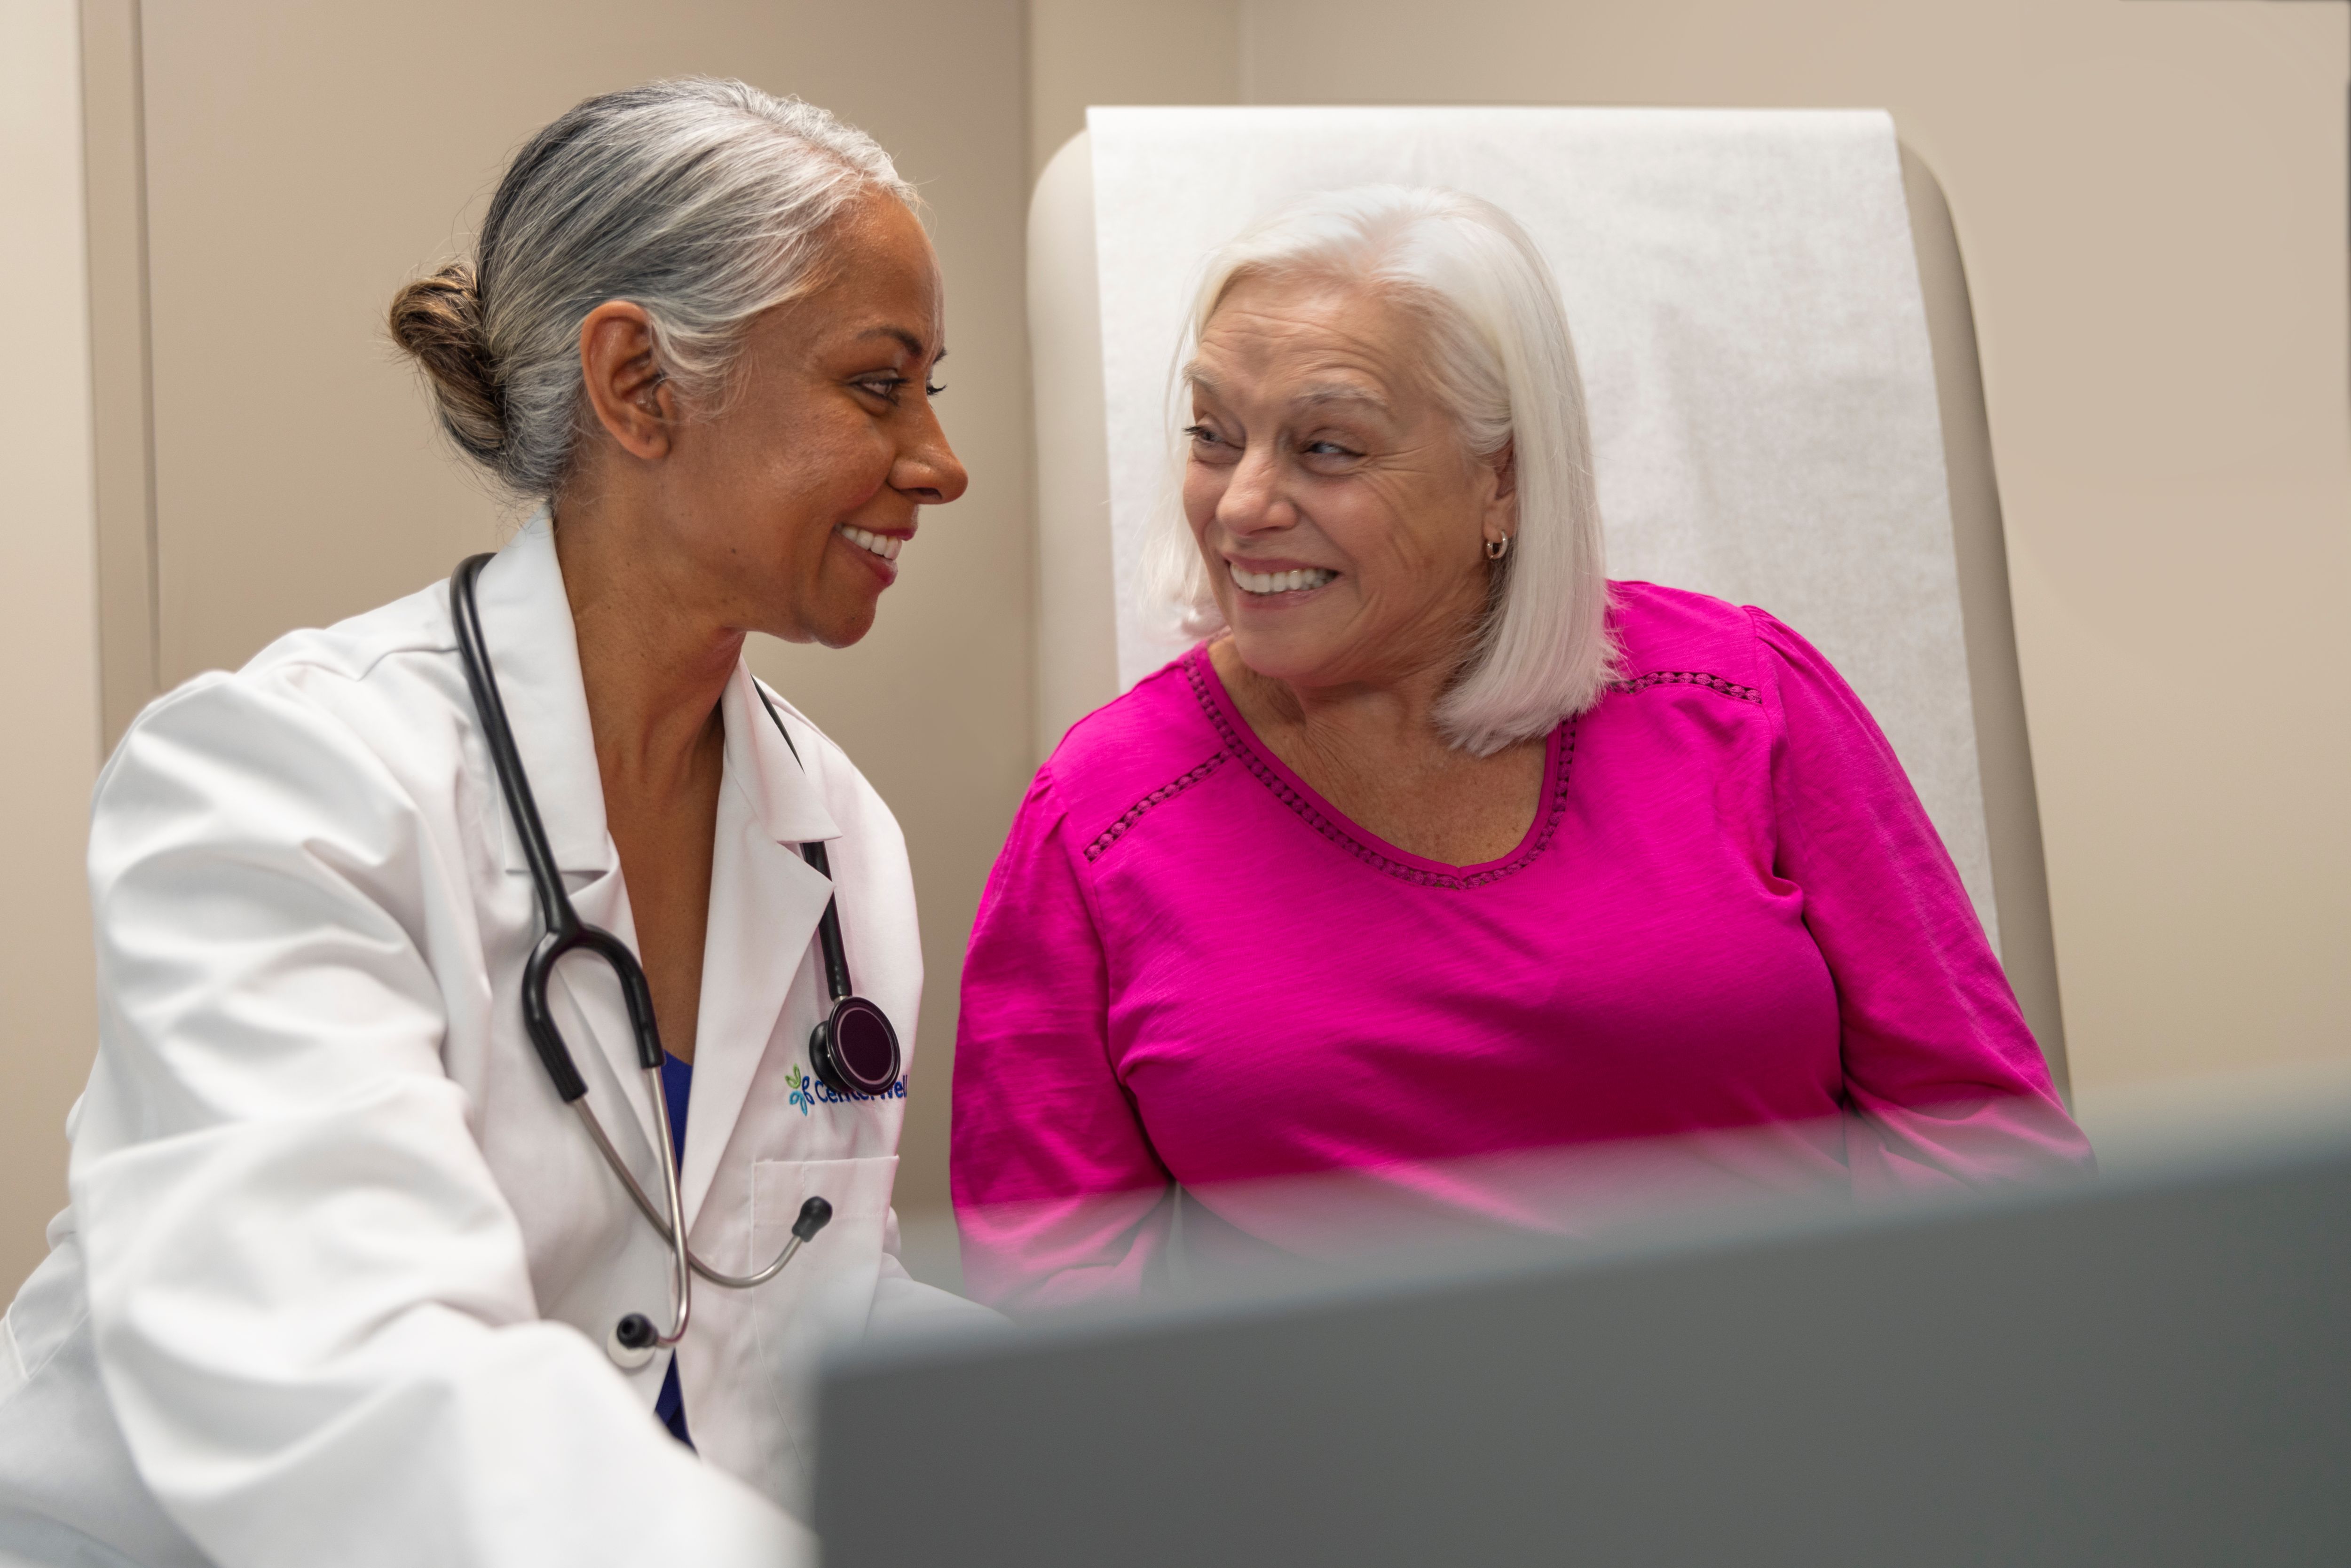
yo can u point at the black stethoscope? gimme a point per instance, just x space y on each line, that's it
854 1052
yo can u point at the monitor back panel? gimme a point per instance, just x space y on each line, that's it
2147 1373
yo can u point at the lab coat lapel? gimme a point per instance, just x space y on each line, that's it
535 653
765 902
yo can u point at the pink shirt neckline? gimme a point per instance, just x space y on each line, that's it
1320 814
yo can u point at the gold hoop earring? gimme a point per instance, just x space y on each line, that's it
1497 549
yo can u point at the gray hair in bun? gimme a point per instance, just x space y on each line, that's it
704 201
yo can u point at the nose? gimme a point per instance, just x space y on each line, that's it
1253 501
927 469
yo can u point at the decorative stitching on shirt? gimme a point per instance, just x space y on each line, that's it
1237 746
1689 678
1159 796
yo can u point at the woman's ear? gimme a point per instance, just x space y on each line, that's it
1505 465
1501 520
630 394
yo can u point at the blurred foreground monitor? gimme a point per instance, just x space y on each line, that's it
2152 1369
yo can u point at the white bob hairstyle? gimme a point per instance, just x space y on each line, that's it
1499 361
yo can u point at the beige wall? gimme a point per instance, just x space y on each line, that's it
48 634
2150 198
1125 51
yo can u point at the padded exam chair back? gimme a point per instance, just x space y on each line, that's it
1926 637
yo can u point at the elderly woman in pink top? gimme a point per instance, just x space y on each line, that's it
1441 846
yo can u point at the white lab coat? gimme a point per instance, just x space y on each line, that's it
339 1268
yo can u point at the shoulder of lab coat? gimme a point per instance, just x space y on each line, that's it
310 1297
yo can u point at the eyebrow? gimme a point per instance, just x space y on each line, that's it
1318 396
1330 392
914 345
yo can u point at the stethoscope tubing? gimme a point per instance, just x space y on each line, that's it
565 934
646 1207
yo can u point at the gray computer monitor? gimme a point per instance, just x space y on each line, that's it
2152 1370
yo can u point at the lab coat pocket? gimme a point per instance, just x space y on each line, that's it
824 1295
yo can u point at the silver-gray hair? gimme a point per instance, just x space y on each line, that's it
704 201
1501 362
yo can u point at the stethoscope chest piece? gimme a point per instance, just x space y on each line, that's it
631 1343
855 1052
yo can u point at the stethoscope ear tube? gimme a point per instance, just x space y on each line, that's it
837 983
554 904
555 911
854 1050
539 1024
636 991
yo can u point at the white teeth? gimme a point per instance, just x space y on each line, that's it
1280 581
881 545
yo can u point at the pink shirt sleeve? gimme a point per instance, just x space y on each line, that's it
1058 1194
1943 1081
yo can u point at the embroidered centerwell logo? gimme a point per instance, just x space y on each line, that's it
807 1090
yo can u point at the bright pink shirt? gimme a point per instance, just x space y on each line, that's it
1731 911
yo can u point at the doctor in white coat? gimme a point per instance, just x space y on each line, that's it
341 1273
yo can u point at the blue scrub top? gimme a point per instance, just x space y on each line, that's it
677 1085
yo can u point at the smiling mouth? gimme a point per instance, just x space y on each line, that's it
881 545
1266 583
